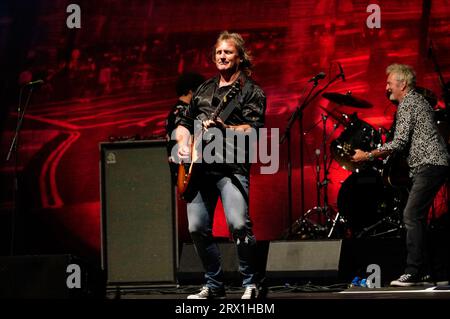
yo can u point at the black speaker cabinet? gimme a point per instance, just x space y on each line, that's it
43 277
139 241
304 259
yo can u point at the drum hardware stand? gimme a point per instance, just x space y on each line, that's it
387 219
324 184
298 115
392 219
325 214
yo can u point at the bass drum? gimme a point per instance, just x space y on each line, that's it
368 205
357 134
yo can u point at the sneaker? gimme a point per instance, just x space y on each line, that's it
409 280
208 293
250 292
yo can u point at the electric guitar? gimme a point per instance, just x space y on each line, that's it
188 172
396 171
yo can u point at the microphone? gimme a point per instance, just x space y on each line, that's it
319 76
35 82
342 71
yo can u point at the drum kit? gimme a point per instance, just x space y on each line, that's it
368 205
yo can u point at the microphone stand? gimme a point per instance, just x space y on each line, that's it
298 115
14 149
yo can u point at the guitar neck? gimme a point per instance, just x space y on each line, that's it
235 88
217 111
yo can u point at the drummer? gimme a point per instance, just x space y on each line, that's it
416 134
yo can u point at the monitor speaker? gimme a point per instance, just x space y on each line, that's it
139 237
304 259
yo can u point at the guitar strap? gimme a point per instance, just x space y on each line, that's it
239 99
226 112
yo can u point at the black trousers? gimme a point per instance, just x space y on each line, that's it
426 183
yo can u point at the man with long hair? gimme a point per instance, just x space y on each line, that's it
229 180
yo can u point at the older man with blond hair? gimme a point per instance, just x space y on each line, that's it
417 135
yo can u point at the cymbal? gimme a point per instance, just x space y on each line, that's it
338 117
428 95
347 99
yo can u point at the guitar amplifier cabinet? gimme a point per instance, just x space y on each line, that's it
139 236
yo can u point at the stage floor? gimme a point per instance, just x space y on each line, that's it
296 292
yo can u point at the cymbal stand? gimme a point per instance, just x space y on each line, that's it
326 222
325 181
337 218
326 210
318 182
322 185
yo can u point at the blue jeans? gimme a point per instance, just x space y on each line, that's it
201 215
426 183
